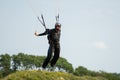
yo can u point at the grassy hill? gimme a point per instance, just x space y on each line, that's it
45 75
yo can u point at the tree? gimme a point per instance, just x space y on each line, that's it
5 64
110 76
81 71
16 61
23 61
63 64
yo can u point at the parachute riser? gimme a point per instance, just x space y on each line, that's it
57 18
42 22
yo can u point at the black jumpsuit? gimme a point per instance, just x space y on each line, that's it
54 46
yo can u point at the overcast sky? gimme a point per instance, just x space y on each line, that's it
90 30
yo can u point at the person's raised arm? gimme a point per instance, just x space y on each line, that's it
45 33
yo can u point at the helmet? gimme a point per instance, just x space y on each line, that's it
57 24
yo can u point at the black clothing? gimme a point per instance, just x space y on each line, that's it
56 50
53 35
54 46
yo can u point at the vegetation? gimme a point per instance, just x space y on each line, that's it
4 65
19 66
45 75
82 71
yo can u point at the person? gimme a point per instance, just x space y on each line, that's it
53 36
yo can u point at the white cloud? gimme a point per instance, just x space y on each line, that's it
100 45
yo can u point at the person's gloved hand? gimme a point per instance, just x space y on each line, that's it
36 34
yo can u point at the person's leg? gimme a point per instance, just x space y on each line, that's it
56 55
49 54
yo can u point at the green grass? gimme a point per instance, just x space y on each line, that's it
45 75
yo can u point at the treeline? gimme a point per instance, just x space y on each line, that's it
21 61
82 71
